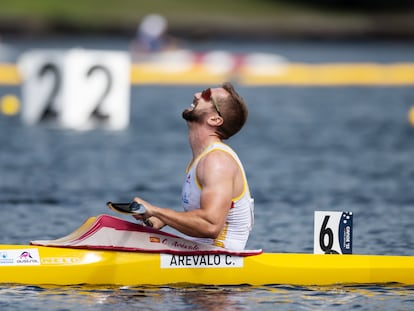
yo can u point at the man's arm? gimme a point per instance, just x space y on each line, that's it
216 173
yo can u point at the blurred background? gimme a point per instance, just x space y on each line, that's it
264 42
261 19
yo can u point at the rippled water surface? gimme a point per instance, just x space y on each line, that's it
304 149
206 298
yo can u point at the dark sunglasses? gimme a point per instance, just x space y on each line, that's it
206 95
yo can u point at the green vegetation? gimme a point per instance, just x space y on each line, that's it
101 12
198 18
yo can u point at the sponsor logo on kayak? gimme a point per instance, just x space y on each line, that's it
27 258
201 261
5 258
60 260
19 257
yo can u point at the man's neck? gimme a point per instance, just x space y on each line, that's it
200 139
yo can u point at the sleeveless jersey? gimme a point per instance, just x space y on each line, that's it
240 218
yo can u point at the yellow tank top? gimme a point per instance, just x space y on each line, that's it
240 218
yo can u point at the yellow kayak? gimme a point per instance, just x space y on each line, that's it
30 264
110 250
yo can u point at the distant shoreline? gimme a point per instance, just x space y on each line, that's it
323 28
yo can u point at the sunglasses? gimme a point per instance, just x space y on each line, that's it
206 95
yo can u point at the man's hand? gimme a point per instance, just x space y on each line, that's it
156 223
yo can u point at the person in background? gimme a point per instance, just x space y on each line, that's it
151 35
218 208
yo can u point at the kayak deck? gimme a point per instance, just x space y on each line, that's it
36 265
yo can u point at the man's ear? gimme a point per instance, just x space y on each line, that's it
215 121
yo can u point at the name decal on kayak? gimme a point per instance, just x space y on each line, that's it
201 261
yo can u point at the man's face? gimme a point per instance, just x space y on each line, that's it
199 108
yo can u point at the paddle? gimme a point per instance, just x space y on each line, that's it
130 209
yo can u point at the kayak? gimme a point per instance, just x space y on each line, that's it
35 265
110 251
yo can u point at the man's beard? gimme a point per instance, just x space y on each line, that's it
193 115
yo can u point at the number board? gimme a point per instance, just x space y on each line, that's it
333 232
76 88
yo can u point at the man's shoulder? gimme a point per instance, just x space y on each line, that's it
219 154
218 159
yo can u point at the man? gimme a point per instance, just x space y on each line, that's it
218 208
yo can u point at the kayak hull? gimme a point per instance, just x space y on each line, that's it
37 265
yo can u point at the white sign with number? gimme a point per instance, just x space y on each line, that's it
333 232
42 85
77 88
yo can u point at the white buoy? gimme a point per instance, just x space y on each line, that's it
219 62
265 64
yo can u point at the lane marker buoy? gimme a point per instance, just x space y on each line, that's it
411 116
9 105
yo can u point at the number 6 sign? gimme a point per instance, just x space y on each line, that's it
77 88
332 232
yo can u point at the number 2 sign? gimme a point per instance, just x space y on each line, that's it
77 88
332 232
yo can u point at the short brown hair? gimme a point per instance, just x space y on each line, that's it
233 110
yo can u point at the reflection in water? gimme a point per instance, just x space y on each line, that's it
217 298
209 298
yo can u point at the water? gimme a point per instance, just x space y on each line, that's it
206 298
304 149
